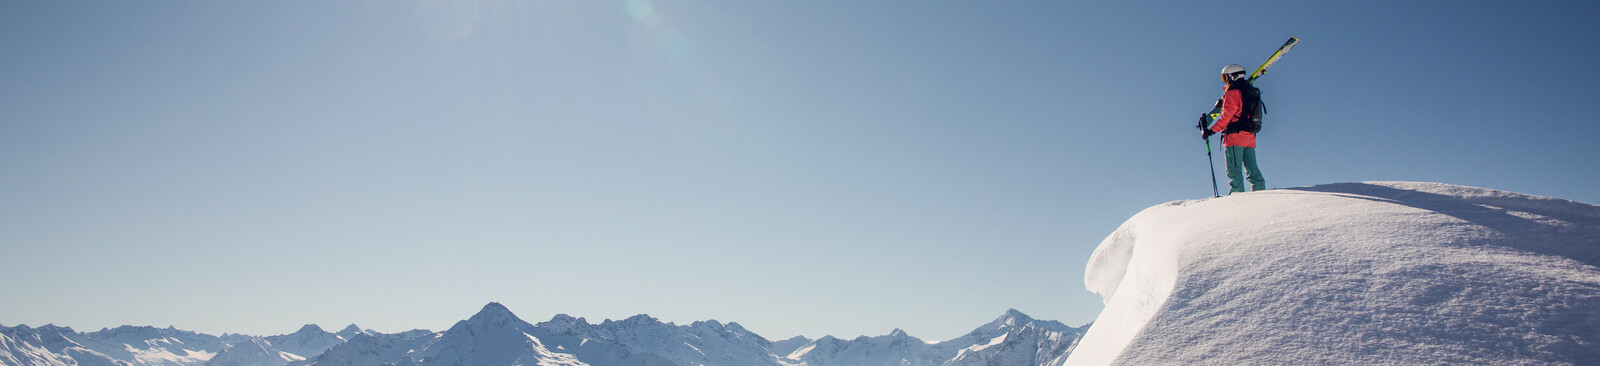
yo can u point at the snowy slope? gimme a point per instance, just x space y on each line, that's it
48 345
1353 273
151 346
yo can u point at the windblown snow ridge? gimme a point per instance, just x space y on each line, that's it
1350 273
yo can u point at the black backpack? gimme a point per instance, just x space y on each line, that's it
1250 110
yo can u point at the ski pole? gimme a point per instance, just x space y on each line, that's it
1205 119
1213 165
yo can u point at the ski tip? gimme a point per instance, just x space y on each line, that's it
1291 42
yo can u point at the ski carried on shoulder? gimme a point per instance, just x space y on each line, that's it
1274 59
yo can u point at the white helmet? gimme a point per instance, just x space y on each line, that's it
1233 72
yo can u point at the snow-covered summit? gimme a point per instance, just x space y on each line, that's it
256 352
374 349
352 330
641 320
48 345
310 329
1013 319
785 347
307 342
563 323
1013 338
155 346
1351 273
493 336
493 314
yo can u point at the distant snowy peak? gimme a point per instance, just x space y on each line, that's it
493 315
307 342
1011 321
309 329
374 349
732 329
352 330
48 345
1016 319
50 337
784 347
145 337
566 324
1014 339
640 320
493 336
151 346
1011 317
256 352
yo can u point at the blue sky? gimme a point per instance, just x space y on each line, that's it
810 168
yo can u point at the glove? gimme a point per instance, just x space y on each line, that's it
1206 133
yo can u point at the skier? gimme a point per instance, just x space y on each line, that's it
1239 142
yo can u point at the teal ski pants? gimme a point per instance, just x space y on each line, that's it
1241 159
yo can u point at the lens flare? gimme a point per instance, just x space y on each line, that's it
640 9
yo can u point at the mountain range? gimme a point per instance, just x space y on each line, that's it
496 337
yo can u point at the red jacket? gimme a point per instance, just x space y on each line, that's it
1231 104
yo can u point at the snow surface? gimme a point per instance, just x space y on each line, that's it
1350 273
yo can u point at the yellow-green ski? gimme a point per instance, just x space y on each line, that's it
1274 59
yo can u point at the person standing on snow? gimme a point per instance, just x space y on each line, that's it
1240 101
